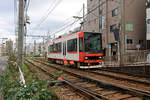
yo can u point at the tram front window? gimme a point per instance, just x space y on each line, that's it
92 42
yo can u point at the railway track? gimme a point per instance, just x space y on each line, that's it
119 75
130 70
123 77
99 89
87 94
135 82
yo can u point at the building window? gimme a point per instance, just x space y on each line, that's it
129 41
112 27
148 21
141 41
115 12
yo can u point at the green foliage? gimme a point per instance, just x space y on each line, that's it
12 57
36 55
56 75
25 68
35 89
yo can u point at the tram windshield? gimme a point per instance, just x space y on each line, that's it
92 42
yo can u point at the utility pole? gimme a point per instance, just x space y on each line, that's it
21 34
122 34
25 38
83 15
108 52
100 17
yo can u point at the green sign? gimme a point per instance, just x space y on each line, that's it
129 27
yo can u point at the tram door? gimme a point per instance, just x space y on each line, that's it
64 48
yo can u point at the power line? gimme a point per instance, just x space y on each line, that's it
82 18
50 11
65 27
66 21
47 11
36 36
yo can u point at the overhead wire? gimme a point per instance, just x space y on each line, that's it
47 11
67 25
69 18
50 11
91 11
66 21
43 18
51 8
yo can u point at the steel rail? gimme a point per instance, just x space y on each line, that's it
120 78
133 91
124 72
82 90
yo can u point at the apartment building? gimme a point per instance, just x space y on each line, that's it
104 16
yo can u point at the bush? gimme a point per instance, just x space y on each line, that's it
35 89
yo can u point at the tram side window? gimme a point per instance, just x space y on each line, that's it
81 44
51 48
55 47
58 47
72 45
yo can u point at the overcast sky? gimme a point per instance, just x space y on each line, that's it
37 10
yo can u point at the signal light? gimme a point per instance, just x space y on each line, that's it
65 62
72 62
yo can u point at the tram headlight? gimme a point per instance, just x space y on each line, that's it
100 57
86 58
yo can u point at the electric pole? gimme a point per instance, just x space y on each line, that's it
108 52
100 17
83 15
21 34
122 34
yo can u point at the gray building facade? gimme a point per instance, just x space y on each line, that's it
104 16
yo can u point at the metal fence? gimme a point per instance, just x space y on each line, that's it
130 58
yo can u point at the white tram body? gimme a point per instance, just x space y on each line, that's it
81 49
